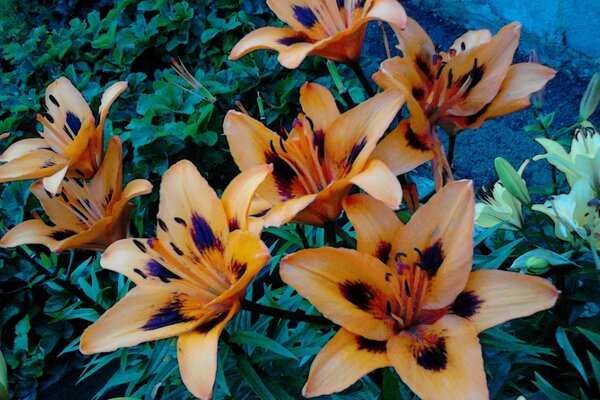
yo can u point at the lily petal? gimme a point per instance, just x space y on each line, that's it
440 361
389 11
471 39
245 257
197 355
148 312
57 209
54 182
492 297
191 218
251 144
269 37
348 287
351 138
106 184
442 231
414 43
381 183
375 225
97 141
345 359
487 66
402 150
35 231
34 165
319 105
288 210
239 193
23 147
521 81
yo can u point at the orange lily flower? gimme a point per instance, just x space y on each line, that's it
84 216
333 29
71 144
190 278
459 89
316 164
407 298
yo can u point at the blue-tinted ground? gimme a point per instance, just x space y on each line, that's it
501 137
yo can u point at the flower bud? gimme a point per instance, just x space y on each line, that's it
512 181
537 98
536 265
591 97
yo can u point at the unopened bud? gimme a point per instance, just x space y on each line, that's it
591 97
537 98
536 265
512 181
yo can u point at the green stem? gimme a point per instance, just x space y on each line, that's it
548 136
300 232
348 240
451 148
330 236
284 314
347 98
364 81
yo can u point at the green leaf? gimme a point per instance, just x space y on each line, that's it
256 339
592 336
253 379
391 386
550 391
21 331
208 34
523 262
570 355
495 259
595 367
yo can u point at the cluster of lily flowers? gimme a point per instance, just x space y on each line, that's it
576 215
405 297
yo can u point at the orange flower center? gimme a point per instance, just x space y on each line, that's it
304 153
414 282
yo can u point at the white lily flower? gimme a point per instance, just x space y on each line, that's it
500 206
583 161
576 214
